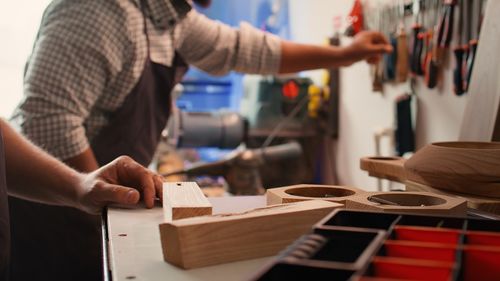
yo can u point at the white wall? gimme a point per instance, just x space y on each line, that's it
361 110
19 21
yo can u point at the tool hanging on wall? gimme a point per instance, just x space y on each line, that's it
432 69
390 60
378 69
355 19
402 63
445 30
404 134
460 51
417 40
475 18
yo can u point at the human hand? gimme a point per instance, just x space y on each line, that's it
122 181
369 46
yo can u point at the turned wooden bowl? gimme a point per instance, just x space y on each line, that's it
463 167
468 168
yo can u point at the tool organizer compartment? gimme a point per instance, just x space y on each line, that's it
356 245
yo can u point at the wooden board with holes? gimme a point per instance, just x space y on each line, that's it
184 200
203 241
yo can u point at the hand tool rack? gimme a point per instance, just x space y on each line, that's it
359 245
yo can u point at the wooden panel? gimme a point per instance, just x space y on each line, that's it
481 120
202 241
184 200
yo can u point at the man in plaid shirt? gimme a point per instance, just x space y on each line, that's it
98 83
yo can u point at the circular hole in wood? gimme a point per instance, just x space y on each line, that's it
122 234
384 158
319 192
469 145
407 200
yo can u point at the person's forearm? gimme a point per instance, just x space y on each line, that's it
84 162
35 175
297 57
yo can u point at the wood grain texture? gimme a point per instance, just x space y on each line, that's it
184 200
303 192
462 167
486 204
410 202
203 241
391 168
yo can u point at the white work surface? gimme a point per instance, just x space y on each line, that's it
135 249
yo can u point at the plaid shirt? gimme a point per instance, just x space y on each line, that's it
89 54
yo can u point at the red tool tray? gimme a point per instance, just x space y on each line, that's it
372 246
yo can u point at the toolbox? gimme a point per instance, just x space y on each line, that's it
373 246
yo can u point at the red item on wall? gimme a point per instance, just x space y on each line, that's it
355 19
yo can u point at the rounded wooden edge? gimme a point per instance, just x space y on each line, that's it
301 192
439 202
468 145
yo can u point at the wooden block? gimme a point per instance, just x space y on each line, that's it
391 168
184 200
209 240
410 202
302 192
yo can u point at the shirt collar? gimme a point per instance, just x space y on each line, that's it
166 13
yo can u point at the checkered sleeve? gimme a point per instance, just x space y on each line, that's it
217 48
67 72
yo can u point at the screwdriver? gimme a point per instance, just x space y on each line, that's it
461 50
415 63
476 17
432 63
445 30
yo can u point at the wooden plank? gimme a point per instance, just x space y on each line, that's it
202 241
184 200
481 121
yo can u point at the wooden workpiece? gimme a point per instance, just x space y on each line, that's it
184 200
302 192
202 241
411 202
467 170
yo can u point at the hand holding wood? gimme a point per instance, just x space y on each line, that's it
122 181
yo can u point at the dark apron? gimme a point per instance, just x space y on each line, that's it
4 218
57 243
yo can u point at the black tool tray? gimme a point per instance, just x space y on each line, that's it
372 246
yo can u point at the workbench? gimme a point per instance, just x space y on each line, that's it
132 248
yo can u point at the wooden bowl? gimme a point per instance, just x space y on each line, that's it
462 167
